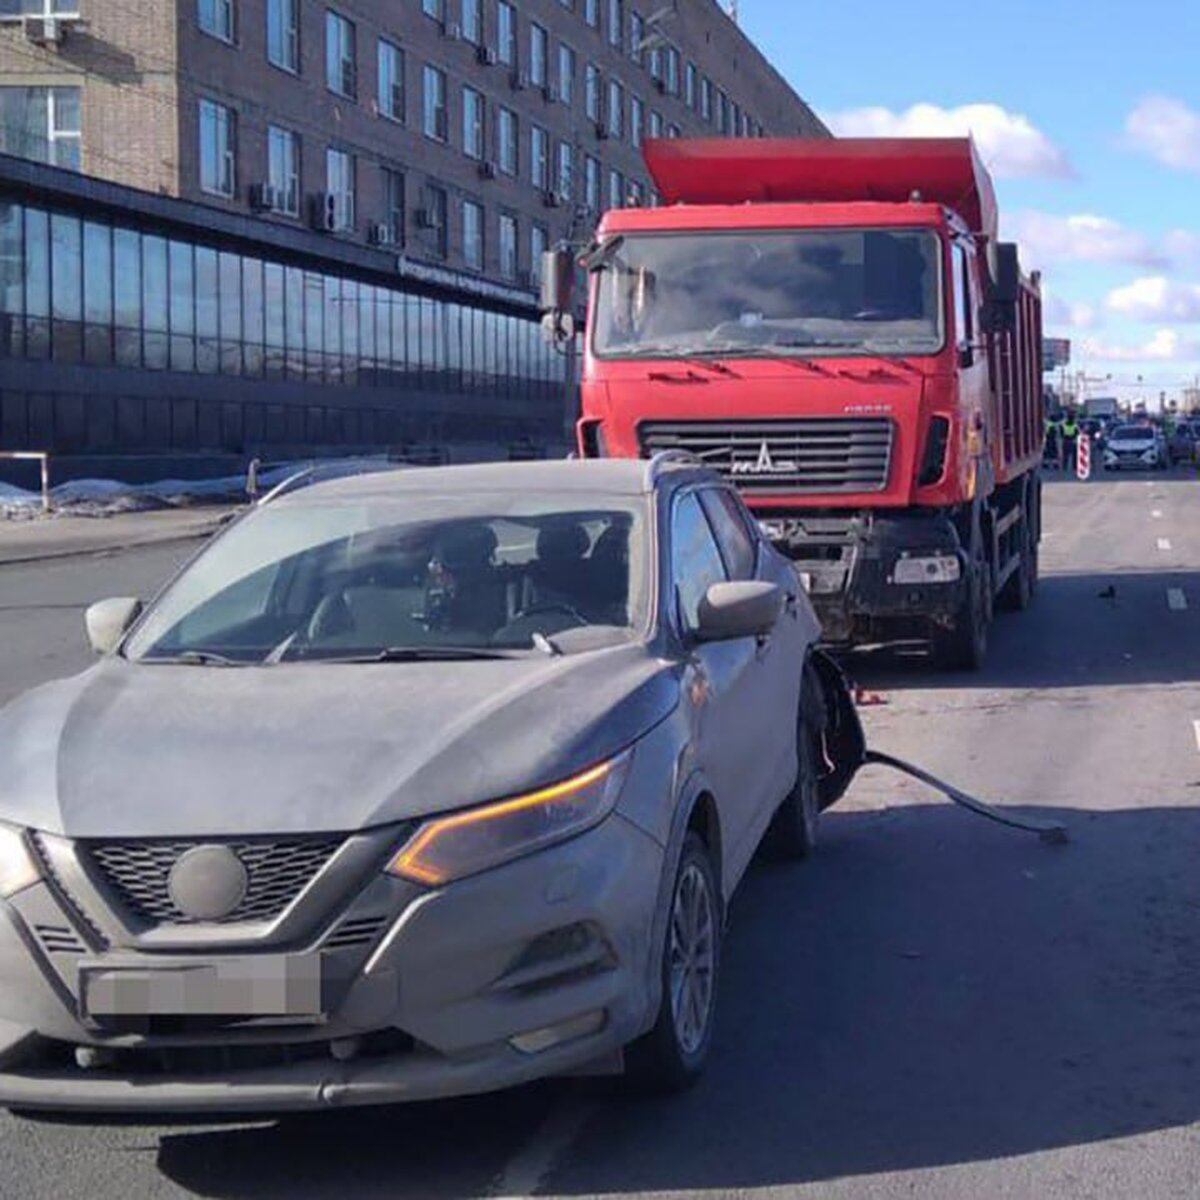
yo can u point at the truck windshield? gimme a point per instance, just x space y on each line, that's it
838 291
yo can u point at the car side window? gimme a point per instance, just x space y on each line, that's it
738 547
695 560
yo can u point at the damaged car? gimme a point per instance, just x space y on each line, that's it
416 784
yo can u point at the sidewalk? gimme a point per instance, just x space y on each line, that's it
64 537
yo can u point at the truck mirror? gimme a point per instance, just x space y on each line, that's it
558 281
1004 270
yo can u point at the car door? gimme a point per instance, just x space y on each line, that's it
723 684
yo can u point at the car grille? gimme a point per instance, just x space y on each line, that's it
278 870
818 455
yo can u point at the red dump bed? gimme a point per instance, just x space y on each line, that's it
737 170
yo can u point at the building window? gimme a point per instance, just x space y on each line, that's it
616 109
393 204
214 16
283 170
437 208
539 158
434 8
217 148
339 187
656 125
508 246
689 86
591 90
472 234
566 75
566 171
283 35
616 189
472 21
591 184
539 243
722 112
637 194
636 121
656 63
637 35
506 34
616 22
473 121
674 131
507 141
42 124
538 53
706 100
436 118
672 57
591 13
391 81
341 67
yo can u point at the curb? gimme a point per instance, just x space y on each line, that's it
96 551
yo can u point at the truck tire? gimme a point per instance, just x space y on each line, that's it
1017 593
963 647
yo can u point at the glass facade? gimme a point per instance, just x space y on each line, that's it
74 291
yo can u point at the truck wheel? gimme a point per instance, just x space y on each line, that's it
1017 593
964 646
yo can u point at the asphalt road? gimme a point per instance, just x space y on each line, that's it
935 1006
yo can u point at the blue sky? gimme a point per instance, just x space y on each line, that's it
1088 114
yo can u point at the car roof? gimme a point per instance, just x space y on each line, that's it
605 476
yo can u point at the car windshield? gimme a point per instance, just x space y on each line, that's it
809 292
1133 433
427 576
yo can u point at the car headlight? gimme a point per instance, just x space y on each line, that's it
17 868
478 839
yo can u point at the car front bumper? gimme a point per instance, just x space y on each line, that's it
531 969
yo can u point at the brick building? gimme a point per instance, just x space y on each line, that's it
446 142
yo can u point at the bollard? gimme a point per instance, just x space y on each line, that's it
1083 457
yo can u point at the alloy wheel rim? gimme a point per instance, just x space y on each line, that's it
692 959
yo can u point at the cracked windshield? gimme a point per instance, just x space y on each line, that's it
599 598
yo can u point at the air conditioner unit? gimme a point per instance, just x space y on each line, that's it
601 130
425 218
550 94
518 81
322 211
46 31
452 32
551 199
380 233
485 56
262 197
487 170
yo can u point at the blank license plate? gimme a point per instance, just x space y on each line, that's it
270 986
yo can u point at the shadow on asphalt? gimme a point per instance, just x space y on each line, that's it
930 990
1089 630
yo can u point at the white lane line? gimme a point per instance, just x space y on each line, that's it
1176 600
1157 514
1164 543
1196 728
528 1168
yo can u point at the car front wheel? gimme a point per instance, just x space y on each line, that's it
671 1056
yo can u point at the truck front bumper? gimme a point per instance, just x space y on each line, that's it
865 569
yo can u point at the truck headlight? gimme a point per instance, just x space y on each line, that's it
932 568
17 868
478 839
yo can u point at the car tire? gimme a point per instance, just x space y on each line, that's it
671 1057
792 834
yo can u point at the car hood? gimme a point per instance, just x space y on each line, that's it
127 750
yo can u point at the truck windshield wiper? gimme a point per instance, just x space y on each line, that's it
194 658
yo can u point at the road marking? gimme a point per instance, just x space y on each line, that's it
1157 513
1176 600
1164 543
529 1167
1196 727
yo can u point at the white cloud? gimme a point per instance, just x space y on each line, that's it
1046 239
1157 298
1166 345
1011 145
1167 130
1058 313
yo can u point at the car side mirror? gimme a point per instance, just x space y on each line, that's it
738 610
108 620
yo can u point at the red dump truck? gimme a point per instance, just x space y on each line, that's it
834 325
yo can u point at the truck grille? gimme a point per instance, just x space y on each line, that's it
278 870
811 455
